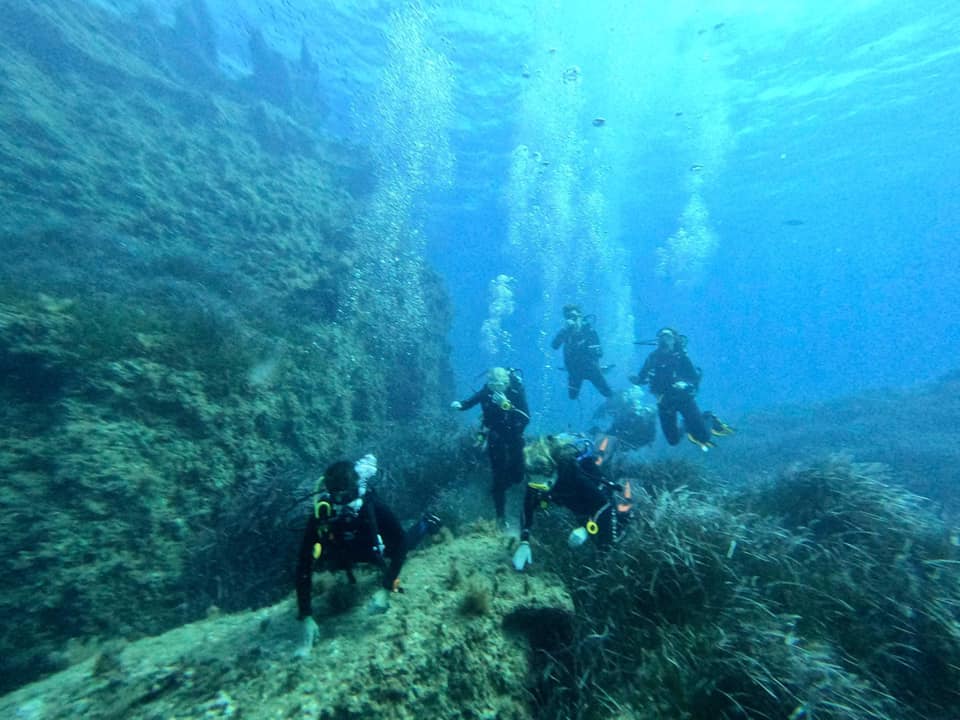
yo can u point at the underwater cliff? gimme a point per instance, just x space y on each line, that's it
183 322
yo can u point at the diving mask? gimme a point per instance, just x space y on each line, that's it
666 338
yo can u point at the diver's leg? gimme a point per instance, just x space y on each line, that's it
499 492
573 385
514 460
499 465
668 423
693 422
600 382
428 524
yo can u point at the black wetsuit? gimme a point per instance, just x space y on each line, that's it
662 370
504 436
581 356
582 489
349 538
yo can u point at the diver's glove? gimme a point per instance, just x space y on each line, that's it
635 380
309 632
522 557
380 602
456 405
577 537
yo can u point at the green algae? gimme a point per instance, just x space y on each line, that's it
166 235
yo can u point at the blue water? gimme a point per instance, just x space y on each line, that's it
802 155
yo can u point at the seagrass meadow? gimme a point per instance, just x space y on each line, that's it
826 591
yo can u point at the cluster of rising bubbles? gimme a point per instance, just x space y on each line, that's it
493 337
407 126
559 219
526 167
543 188
684 257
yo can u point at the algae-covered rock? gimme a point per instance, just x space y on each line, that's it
178 340
423 657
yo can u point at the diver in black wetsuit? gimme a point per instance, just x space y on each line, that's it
674 381
581 352
563 470
351 525
503 402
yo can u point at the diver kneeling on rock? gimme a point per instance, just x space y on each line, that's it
349 525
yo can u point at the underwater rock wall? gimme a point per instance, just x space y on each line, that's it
175 251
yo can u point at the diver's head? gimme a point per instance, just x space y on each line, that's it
667 338
538 458
573 315
498 379
341 482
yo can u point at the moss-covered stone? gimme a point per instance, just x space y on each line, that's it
177 258
422 658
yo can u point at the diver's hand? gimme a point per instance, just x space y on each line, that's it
522 557
309 632
456 405
379 603
683 386
635 380
577 537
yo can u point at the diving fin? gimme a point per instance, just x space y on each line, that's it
705 446
720 428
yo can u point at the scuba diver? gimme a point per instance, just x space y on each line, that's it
567 470
349 525
581 352
503 403
674 380
632 422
